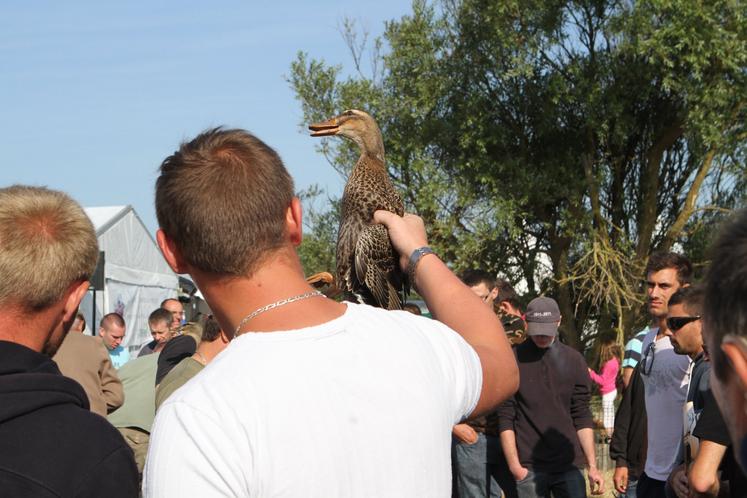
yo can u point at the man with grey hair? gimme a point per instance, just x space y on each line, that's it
50 443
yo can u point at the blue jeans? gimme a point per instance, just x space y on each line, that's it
570 484
650 488
630 492
478 468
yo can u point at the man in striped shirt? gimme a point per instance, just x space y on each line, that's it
632 355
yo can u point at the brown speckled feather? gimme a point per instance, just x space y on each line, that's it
367 265
366 261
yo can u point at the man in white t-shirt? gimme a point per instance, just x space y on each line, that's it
312 397
664 374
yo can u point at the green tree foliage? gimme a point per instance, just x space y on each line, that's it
317 250
555 142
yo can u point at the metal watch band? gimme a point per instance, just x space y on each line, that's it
415 258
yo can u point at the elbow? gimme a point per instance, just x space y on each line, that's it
702 484
511 380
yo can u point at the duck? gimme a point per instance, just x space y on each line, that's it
366 263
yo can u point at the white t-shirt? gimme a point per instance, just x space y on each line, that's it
666 392
361 406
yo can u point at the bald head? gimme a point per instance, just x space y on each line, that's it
176 309
112 330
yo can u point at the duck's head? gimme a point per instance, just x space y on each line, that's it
352 123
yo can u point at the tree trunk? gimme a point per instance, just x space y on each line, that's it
647 212
558 253
692 197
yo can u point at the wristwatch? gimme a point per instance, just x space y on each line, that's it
415 258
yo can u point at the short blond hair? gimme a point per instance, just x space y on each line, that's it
46 244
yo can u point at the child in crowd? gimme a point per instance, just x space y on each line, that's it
609 363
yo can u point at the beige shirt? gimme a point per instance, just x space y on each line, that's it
85 359
176 378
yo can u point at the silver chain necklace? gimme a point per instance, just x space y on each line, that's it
274 305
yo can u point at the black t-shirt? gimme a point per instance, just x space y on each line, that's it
711 427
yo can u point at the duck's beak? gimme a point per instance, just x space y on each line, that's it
325 128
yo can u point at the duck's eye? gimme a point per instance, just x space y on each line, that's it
349 113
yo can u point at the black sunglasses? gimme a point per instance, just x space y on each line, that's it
675 323
646 365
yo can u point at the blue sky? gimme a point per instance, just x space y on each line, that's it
94 95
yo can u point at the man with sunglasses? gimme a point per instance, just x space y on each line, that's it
664 374
698 469
706 437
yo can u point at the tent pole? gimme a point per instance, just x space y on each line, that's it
93 311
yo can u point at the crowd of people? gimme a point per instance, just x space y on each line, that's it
283 392
128 390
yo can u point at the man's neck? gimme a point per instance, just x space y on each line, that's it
233 298
32 330
661 322
694 356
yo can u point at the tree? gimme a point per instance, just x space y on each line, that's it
577 135
317 250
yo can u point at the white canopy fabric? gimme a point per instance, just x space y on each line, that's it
136 277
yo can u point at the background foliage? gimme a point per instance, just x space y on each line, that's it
556 143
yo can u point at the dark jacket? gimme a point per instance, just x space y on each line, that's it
628 446
51 445
551 405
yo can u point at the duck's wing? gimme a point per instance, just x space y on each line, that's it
376 267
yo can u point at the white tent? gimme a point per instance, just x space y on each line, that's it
136 277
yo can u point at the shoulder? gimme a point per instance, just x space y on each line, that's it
187 368
572 356
366 318
145 365
94 343
567 350
63 426
702 371
635 342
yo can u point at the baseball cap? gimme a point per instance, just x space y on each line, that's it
542 316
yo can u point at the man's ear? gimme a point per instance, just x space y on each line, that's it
493 294
75 296
170 252
223 338
294 222
738 358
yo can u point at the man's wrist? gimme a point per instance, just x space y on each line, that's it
415 257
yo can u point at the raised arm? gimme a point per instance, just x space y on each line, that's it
454 304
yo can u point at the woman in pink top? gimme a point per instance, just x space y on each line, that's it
609 360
